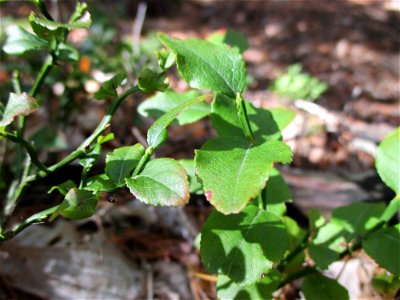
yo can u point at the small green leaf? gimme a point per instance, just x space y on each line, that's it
84 21
18 105
161 103
152 81
195 186
358 218
206 65
67 52
87 161
78 204
234 171
331 236
384 247
388 160
104 139
163 181
230 37
157 133
315 218
22 41
276 193
322 255
317 286
109 88
226 122
63 188
242 246
165 58
293 232
100 183
122 161
263 289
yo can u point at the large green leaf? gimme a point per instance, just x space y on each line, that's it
322 255
388 160
242 246
358 218
100 183
78 204
233 171
263 122
318 287
121 161
22 41
384 247
276 193
206 65
161 103
18 105
163 181
263 289
157 133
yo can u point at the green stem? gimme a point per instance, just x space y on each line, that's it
44 71
105 122
28 147
244 119
143 160
36 218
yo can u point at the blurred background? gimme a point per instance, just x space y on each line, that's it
336 63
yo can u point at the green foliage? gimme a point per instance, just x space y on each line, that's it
388 160
161 103
242 169
295 84
206 65
242 246
386 285
162 182
18 105
248 240
316 286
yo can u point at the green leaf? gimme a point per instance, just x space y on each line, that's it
22 41
386 285
18 105
384 247
234 171
67 52
63 188
78 204
161 103
165 58
104 139
100 183
163 181
226 122
83 22
317 286
388 160
315 219
358 218
109 88
276 193
206 65
152 81
87 161
322 255
157 133
195 186
282 116
230 37
293 232
242 246
331 236
122 161
263 289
